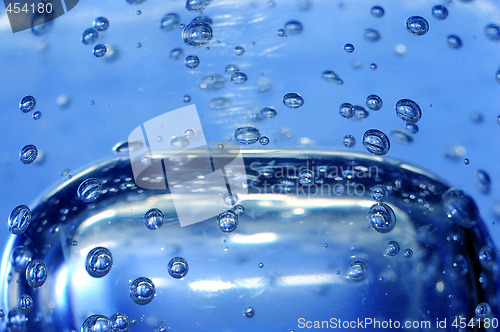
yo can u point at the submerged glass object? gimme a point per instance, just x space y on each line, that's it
286 221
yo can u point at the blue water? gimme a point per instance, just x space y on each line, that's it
110 96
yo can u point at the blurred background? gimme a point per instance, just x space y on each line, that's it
88 104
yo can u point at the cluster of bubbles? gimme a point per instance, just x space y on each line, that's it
28 104
91 35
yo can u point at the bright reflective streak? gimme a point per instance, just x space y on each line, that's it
210 285
310 279
254 238
98 217
260 282
251 282
61 287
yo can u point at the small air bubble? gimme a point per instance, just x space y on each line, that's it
239 50
349 48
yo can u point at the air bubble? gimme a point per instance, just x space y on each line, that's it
482 310
376 142
119 323
483 181
101 23
379 192
412 128
293 100
187 98
25 304
306 177
382 218
371 35
349 141
142 290
408 111
408 253
281 32
264 140
239 50
176 54
417 25
357 271
247 135
460 208
230 199
19 219
392 248
21 257
487 257
90 36
331 76
346 110
99 262
293 27
374 102
178 267
401 136
99 50
96 323
239 209
170 21
440 12
249 312
377 11
268 112
204 19
197 5
192 61
37 115
153 219
454 41
492 32
238 77
231 68
27 104
28 154
197 34
349 48
36 273
89 190
227 221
